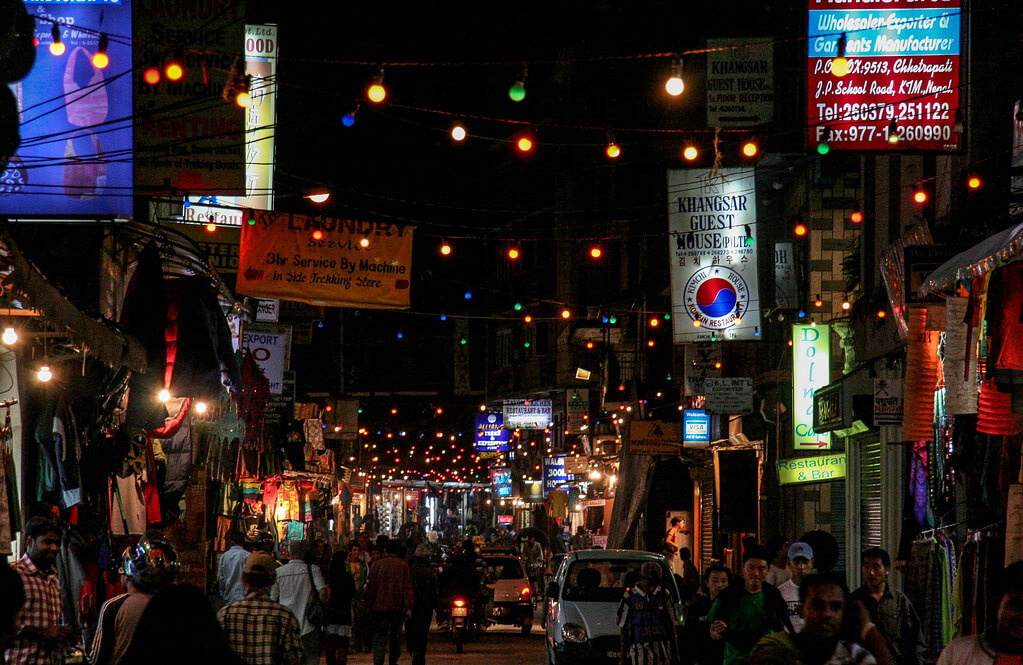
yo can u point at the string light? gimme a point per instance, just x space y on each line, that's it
856 217
320 196
524 144
200 407
517 92
364 243
596 252
151 76
920 196
690 153
513 253
750 149
317 235
100 59
348 119
566 314
800 229
57 47
674 86
445 248
840 66
174 71
974 182
10 336
164 395
211 227
458 132
376 92
893 132
44 374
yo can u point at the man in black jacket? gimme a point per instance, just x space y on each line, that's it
748 609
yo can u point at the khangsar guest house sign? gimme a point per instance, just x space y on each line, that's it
903 78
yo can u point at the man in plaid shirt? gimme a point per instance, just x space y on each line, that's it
261 631
40 633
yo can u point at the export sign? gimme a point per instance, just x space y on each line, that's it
903 61
322 261
491 437
811 469
75 120
811 370
270 346
713 254
528 413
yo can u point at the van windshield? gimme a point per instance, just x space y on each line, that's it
605 580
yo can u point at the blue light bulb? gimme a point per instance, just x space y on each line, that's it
468 295
348 120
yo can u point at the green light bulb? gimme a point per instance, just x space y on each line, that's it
614 319
251 222
667 317
518 307
823 148
463 341
527 345
517 92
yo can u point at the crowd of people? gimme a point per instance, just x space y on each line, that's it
801 617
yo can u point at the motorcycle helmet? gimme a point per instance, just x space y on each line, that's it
151 564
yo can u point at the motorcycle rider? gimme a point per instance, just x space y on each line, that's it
462 578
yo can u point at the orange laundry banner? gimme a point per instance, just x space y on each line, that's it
326 261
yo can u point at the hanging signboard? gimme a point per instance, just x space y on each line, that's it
554 475
260 117
75 120
730 396
811 369
576 465
654 437
501 479
270 346
903 74
786 286
811 469
577 410
324 261
528 413
703 361
460 355
740 82
713 254
491 437
887 402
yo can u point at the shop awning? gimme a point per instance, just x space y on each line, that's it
1002 246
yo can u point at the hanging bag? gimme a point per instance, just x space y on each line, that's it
314 612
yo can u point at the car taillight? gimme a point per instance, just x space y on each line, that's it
525 593
459 602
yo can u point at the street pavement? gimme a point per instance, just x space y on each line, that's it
499 645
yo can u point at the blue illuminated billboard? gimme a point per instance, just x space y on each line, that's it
491 437
75 158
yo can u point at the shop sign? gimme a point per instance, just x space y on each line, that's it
599 541
811 370
501 479
280 409
740 82
713 254
829 407
577 410
491 437
554 475
654 437
786 286
730 396
504 520
270 346
268 310
811 469
221 247
202 149
322 261
903 63
703 361
576 465
260 118
534 490
75 120
528 413
695 428
887 402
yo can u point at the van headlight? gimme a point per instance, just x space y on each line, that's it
573 632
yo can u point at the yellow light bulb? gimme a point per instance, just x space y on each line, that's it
690 153
749 149
243 99
100 60
57 48
376 93
839 67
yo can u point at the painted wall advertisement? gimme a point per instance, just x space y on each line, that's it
903 62
270 346
260 116
811 369
713 254
740 82
75 119
528 413
491 437
188 137
326 261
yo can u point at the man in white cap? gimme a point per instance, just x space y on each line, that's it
800 565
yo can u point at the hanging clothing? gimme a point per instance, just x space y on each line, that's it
127 507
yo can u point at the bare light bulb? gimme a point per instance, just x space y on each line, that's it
200 407
9 337
164 395
44 374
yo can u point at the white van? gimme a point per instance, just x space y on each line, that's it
583 598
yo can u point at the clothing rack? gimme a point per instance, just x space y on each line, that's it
929 533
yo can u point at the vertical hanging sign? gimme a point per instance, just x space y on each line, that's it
713 253
811 369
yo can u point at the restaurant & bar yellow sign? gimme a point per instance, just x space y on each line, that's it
326 261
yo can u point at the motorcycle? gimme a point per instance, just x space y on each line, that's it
460 612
